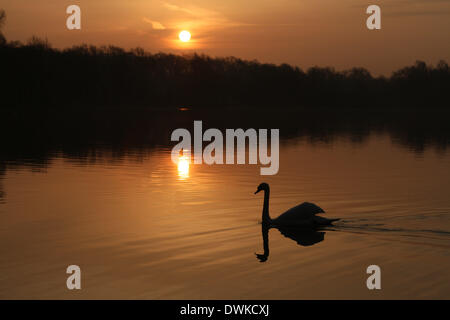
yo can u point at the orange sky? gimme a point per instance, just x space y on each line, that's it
299 32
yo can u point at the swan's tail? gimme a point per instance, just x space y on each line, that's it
324 221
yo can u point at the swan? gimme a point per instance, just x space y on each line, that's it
303 215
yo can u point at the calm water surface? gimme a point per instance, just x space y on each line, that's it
139 227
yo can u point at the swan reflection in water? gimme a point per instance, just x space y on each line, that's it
303 237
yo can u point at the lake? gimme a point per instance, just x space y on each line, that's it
141 227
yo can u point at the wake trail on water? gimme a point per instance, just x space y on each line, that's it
362 227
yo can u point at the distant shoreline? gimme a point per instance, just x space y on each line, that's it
36 75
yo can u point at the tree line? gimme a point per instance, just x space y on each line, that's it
35 74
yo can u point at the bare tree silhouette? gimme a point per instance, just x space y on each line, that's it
2 23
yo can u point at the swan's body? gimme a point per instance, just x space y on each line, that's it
303 215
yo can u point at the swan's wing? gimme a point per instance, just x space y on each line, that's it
302 214
305 210
311 207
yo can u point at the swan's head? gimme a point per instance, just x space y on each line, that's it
263 186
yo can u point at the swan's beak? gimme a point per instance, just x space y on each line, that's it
257 191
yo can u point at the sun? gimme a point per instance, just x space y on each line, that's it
184 36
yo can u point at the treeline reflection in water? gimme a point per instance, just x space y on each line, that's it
32 138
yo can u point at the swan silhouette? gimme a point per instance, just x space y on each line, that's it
304 215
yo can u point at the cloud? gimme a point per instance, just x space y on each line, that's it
419 13
174 7
406 8
155 24
198 17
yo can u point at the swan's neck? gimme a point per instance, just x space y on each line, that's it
265 213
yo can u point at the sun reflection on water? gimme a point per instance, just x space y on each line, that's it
183 167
